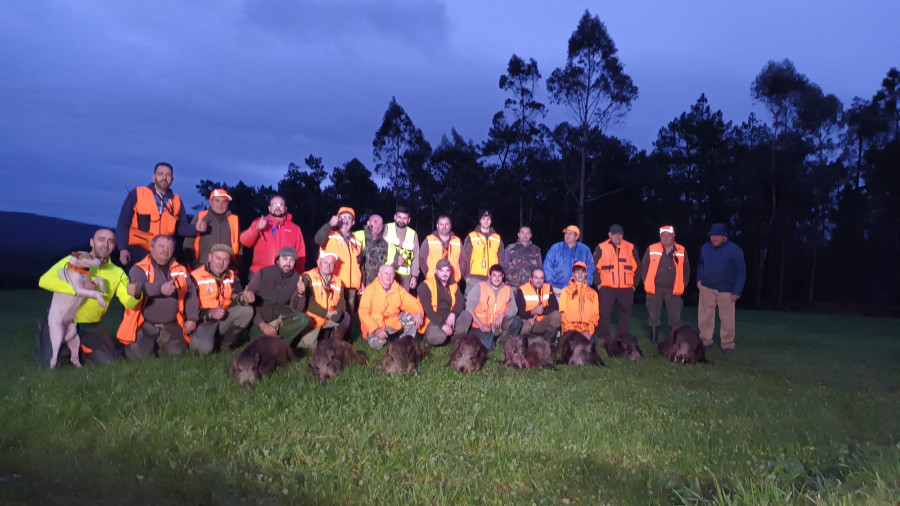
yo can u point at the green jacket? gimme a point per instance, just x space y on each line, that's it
115 281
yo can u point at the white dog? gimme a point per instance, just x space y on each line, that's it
61 318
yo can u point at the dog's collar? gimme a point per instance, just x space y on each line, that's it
78 269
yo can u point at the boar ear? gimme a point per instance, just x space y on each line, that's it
256 358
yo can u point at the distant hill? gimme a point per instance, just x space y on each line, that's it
32 243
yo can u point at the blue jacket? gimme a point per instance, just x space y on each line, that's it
722 268
559 260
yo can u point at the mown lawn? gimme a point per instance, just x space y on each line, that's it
807 411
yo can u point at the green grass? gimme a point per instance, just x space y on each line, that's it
806 412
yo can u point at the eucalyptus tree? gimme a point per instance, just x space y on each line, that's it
401 153
596 90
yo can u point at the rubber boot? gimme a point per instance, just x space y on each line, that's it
654 335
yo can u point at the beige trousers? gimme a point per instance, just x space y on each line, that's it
706 317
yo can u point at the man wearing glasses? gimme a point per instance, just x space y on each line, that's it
268 234
150 211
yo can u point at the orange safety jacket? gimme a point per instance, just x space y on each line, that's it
209 291
436 252
580 308
484 252
616 266
134 318
235 234
489 305
347 266
656 253
533 298
327 295
379 309
146 223
433 286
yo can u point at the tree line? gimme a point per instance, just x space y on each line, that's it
810 191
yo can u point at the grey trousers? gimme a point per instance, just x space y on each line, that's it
203 340
157 339
673 304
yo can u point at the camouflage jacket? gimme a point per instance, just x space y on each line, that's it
519 262
373 256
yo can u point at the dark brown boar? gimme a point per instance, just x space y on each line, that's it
259 358
623 345
332 355
403 355
575 349
683 346
469 354
528 352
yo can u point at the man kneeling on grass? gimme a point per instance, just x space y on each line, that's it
168 311
325 302
218 288
277 292
387 311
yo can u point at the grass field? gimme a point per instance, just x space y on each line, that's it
806 412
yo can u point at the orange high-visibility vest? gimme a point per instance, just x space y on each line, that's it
484 252
326 295
146 222
436 252
347 266
533 298
656 253
212 295
235 233
490 305
616 266
132 319
433 286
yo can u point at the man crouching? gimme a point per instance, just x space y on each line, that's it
217 289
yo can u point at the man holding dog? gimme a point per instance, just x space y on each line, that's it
665 270
267 235
96 345
150 211
222 228
325 303
168 310
218 291
721 274
445 314
387 311
279 302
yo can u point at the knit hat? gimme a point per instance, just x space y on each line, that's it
485 212
287 251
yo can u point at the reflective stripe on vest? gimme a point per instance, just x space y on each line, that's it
616 266
212 295
532 298
347 266
656 254
234 229
132 319
490 305
436 252
327 295
484 252
407 250
146 223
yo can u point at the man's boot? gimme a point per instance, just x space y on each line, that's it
654 335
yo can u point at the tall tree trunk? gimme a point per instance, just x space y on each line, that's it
815 251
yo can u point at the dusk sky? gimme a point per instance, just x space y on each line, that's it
94 92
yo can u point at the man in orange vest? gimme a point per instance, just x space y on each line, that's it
150 211
665 271
440 244
218 291
335 237
222 227
445 314
482 249
387 311
493 309
325 303
578 304
538 307
617 276
168 311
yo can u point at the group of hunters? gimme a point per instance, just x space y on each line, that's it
395 284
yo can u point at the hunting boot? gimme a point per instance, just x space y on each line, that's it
654 335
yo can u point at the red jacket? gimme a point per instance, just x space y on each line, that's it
266 244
